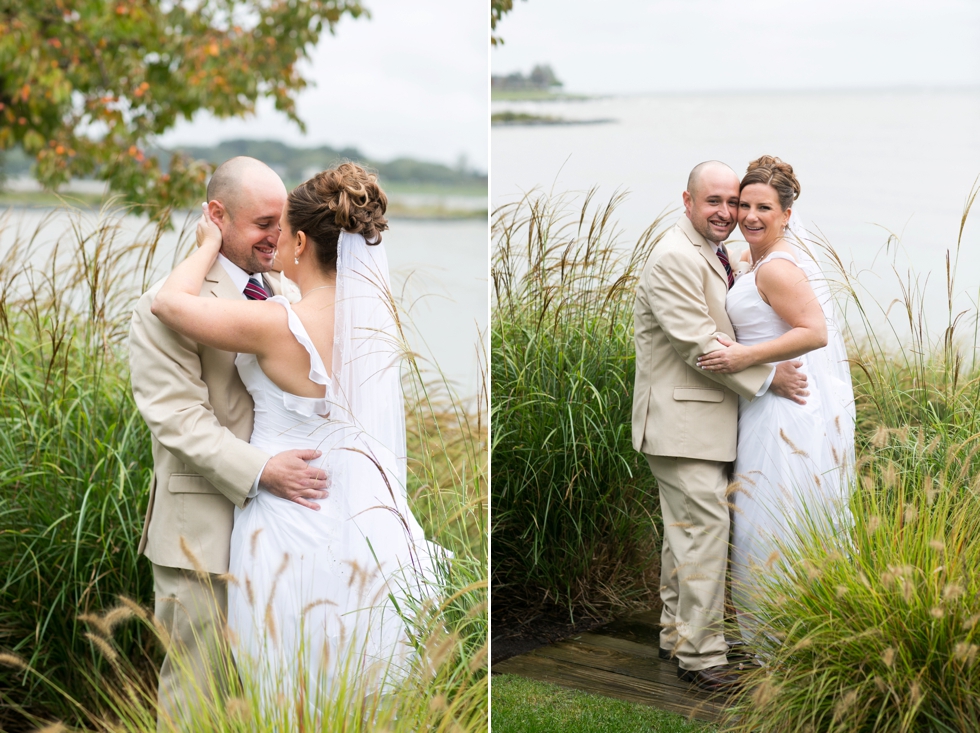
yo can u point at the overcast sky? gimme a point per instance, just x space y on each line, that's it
637 46
412 80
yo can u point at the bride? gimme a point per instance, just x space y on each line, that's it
319 584
793 461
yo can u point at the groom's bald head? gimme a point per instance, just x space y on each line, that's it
233 181
712 168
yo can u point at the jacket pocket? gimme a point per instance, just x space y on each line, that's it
189 483
698 394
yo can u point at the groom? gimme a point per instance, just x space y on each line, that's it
685 420
200 417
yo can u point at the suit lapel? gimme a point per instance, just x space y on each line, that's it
222 286
274 281
220 283
705 247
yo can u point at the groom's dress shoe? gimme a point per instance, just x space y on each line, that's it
665 654
741 656
738 651
744 665
713 679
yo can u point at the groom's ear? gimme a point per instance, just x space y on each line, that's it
218 213
688 202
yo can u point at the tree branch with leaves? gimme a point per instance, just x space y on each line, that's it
498 8
87 85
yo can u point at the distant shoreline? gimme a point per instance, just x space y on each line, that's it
433 213
422 203
535 95
516 119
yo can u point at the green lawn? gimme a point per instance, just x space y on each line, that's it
518 705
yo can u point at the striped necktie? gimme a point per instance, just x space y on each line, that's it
254 290
728 265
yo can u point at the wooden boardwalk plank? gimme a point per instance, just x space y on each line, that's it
643 628
610 660
601 682
621 645
618 660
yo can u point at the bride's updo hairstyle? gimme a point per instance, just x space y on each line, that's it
344 198
771 171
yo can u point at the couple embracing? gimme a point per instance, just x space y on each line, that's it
277 518
750 370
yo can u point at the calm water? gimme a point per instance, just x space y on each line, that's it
869 163
439 272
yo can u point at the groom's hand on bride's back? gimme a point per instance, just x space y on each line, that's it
289 476
790 382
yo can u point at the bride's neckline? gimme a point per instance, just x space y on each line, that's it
319 287
771 251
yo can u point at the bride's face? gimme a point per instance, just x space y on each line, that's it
760 217
286 249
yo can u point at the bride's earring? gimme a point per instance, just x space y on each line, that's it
299 244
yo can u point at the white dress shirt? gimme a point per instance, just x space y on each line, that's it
237 274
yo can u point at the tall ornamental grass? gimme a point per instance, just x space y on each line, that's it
877 627
75 457
77 643
574 506
436 689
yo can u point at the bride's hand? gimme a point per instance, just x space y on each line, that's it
208 234
733 358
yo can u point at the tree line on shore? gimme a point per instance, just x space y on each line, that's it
296 164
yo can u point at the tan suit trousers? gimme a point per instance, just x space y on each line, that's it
694 558
197 666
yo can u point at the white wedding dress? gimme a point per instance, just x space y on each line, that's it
794 462
317 594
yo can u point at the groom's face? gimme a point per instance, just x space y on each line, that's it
250 230
713 205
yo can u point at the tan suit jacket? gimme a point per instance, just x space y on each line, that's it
678 409
200 416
